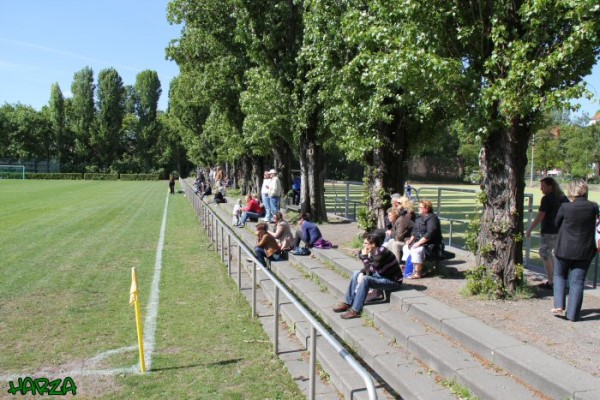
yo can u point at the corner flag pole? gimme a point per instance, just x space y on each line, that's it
134 299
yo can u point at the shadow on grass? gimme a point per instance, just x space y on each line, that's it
223 362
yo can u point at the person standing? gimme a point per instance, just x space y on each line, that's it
408 190
575 248
172 184
551 201
275 191
264 196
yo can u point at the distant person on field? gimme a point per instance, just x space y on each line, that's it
172 184
408 190
551 202
575 248
381 270
296 185
308 233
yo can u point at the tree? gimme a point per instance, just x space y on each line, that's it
27 132
58 119
581 149
520 58
379 94
212 64
106 139
82 113
147 93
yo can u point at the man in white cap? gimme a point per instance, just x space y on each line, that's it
274 193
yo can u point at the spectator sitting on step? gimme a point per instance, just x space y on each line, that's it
283 232
308 233
252 211
403 220
236 212
426 233
219 198
381 271
266 245
207 191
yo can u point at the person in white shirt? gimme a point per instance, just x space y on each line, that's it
274 194
264 196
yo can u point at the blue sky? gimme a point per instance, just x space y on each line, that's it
47 41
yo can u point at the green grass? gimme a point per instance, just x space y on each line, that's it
66 253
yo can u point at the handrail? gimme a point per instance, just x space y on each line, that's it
201 207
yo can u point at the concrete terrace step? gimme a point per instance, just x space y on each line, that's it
439 336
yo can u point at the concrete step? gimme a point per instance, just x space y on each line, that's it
449 342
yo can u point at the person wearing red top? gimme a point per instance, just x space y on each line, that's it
252 211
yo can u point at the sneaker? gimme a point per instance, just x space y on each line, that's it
341 308
350 314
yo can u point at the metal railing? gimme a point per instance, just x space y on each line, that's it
217 229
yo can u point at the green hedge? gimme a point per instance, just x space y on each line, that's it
78 176
44 175
11 175
139 177
100 177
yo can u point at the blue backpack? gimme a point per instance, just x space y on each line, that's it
301 251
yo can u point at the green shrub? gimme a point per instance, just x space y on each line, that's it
480 283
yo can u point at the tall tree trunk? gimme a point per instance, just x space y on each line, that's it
283 165
386 169
503 161
312 170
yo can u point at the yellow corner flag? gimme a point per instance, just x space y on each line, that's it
134 299
133 290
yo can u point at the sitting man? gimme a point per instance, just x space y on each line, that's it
381 271
309 232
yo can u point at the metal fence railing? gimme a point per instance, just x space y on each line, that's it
224 238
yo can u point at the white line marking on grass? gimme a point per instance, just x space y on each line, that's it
149 328
152 309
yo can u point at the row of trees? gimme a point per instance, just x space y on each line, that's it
380 80
571 148
105 127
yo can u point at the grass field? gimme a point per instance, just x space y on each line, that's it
66 252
